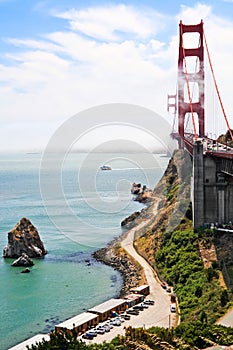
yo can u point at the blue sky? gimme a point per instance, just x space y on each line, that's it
58 58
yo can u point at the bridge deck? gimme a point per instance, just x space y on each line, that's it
210 147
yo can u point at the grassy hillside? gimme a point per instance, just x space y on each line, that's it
198 289
172 247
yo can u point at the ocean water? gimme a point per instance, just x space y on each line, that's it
77 208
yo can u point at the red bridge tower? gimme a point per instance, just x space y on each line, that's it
185 77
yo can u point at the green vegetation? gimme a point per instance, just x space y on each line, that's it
198 289
188 336
202 335
172 187
226 139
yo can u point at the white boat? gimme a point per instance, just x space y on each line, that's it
105 167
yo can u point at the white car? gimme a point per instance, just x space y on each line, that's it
173 308
100 330
109 324
116 323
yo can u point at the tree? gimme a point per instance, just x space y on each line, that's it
224 298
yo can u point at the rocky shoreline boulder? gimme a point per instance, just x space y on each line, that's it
24 238
130 221
130 272
24 261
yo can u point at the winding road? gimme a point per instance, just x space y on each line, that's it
156 315
161 312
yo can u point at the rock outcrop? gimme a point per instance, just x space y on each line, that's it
120 261
143 194
24 238
24 261
130 221
27 270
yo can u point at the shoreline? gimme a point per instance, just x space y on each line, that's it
130 271
115 256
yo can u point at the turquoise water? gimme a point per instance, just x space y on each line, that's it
87 216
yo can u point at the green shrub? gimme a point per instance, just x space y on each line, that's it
198 289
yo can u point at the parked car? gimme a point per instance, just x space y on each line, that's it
100 330
138 307
92 333
116 322
87 336
168 289
173 307
109 324
164 285
173 297
144 305
149 302
106 327
132 312
125 316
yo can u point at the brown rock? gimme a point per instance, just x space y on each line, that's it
23 260
24 238
26 270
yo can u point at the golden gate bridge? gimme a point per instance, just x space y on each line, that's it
212 173
182 103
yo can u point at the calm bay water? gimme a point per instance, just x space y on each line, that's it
86 217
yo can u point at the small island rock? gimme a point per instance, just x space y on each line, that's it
26 270
24 238
23 260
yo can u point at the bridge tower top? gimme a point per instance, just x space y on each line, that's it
185 78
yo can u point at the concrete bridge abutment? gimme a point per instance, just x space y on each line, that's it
211 188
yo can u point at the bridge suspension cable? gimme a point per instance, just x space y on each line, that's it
216 87
188 89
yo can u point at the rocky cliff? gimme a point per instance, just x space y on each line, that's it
172 195
24 238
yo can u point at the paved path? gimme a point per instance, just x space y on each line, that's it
156 315
161 311
227 319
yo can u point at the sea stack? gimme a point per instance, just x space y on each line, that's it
24 238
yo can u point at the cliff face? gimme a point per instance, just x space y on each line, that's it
24 238
172 194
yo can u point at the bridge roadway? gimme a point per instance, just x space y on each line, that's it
210 146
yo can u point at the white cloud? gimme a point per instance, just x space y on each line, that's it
193 15
109 22
32 44
49 79
65 72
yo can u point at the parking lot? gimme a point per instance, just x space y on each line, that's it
151 315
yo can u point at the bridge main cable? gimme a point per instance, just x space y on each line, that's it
216 87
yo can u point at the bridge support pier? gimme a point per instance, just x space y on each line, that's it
197 191
211 188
